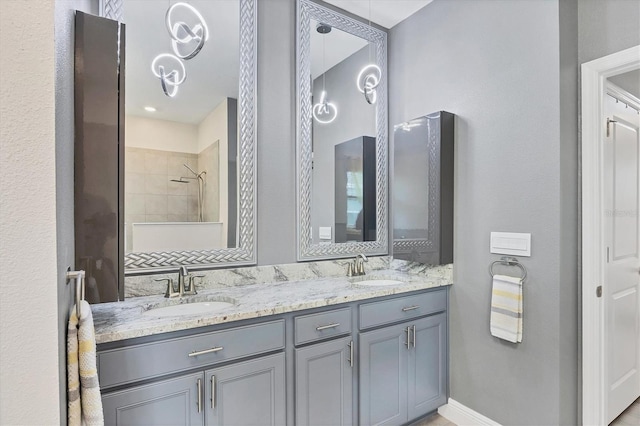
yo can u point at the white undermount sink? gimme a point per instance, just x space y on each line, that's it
377 283
193 308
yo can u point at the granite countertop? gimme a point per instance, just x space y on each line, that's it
134 318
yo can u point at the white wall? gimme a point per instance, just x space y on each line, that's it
215 128
164 135
29 357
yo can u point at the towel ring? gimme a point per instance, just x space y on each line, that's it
509 261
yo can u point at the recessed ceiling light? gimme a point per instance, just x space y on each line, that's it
149 109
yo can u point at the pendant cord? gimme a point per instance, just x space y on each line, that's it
369 26
324 71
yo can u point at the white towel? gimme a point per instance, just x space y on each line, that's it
83 392
506 308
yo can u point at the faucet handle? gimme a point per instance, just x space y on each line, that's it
171 290
360 270
350 270
191 287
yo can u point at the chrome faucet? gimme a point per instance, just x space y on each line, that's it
186 284
356 268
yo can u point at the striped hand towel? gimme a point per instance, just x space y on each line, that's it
506 308
84 402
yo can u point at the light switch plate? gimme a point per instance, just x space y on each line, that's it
324 232
514 244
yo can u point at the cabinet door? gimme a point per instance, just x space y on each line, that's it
427 365
383 376
246 393
169 402
324 384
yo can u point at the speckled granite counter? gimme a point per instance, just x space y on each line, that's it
134 317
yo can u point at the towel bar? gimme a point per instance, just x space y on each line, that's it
509 261
78 276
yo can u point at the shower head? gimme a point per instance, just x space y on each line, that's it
179 180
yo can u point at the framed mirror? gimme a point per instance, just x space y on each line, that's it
342 151
190 100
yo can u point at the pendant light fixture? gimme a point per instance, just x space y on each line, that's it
182 35
324 112
369 76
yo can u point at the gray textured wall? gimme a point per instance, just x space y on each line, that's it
607 26
64 132
495 64
276 203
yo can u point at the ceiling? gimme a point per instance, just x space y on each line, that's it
386 13
212 75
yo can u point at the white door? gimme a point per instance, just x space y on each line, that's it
622 269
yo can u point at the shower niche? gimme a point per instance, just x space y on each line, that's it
422 186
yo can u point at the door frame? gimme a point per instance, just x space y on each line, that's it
594 74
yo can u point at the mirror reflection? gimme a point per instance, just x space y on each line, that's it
343 135
181 125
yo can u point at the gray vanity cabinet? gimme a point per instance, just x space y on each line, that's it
427 365
383 376
403 371
247 393
324 383
167 402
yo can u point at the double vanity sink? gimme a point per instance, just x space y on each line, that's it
344 350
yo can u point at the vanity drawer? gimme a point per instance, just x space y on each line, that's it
402 308
309 328
145 361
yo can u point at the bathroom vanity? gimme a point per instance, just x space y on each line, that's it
332 351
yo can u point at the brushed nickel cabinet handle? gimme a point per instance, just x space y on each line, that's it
213 391
414 335
410 308
408 342
324 327
350 353
206 351
199 395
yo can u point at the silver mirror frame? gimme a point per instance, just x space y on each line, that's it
245 253
307 250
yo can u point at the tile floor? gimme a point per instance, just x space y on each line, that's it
436 420
629 417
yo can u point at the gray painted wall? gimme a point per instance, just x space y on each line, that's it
64 132
607 26
355 118
276 176
495 64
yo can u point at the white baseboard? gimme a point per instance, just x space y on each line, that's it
462 415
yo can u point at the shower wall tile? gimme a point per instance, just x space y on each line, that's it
134 204
134 183
155 162
192 206
156 218
155 204
134 160
150 196
178 204
156 184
